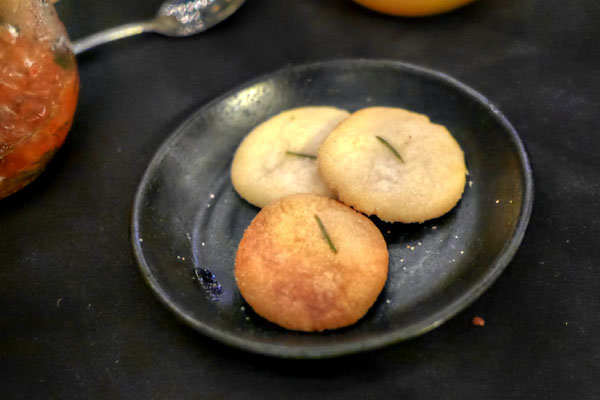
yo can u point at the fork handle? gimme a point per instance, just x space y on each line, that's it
109 35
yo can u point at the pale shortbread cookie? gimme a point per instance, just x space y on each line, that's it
288 273
366 174
263 170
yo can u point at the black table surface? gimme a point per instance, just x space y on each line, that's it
78 321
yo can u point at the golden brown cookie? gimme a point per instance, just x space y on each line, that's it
290 274
395 164
278 157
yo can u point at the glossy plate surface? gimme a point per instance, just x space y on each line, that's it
187 215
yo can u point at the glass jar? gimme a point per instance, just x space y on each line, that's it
39 86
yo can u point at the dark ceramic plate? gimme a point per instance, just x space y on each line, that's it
187 215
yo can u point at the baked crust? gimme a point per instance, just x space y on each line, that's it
358 167
263 171
287 272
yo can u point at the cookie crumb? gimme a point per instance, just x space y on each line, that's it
478 321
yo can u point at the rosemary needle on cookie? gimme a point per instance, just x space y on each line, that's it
293 153
325 234
390 147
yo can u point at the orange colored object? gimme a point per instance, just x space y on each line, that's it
413 8
39 86
478 321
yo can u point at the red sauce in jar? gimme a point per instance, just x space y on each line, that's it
38 95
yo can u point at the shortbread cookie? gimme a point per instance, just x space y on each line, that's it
278 157
310 263
395 164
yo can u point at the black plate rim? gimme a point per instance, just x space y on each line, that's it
333 350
